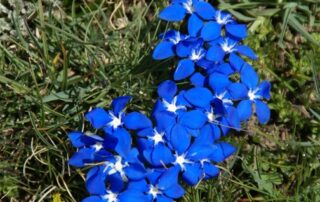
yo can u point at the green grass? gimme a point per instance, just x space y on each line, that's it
101 50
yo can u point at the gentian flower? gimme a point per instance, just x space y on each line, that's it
166 48
178 9
116 171
138 159
193 53
169 101
91 149
131 195
111 120
227 46
162 185
255 94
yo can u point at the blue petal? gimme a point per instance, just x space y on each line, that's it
216 132
165 121
233 118
237 91
184 69
95 184
135 171
147 155
247 51
192 174
227 149
236 62
94 199
262 111
163 50
215 53
140 185
110 141
194 25
210 170
132 196
155 174
162 198
167 89
168 178
218 82
205 64
116 182
238 31
132 156
264 89
205 136
198 152
205 10
180 139
75 138
244 109
217 154
199 97
175 191
79 139
145 132
225 68
83 156
136 121
248 76
172 13
124 141
98 117
224 126
194 119
161 155
120 103
211 31
197 79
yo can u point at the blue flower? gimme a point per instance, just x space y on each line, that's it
91 149
161 185
169 101
111 120
256 93
227 46
178 9
194 160
138 159
166 48
115 171
155 149
131 195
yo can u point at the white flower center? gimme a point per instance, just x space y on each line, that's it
97 146
228 48
188 6
181 160
196 55
223 20
116 121
118 168
223 99
252 94
176 39
210 115
154 191
111 197
157 137
204 161
173 107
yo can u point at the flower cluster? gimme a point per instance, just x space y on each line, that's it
139 159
